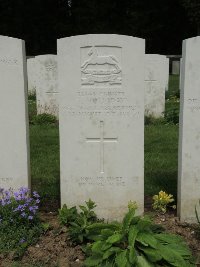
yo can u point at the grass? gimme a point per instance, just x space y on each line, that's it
161 154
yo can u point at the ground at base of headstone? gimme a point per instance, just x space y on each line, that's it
54 249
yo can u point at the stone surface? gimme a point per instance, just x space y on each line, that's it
167 74
32 75
189 131
180 79
155 84
47 84
14 141
101 80
176 67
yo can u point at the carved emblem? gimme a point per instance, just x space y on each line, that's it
100 69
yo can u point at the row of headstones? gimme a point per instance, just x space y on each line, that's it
43 81
101 139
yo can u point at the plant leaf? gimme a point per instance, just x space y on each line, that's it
147 239
97 246
93 261
132 255
144 224
165 238
107 232
114 238
121 259
110 252
143 262
132 235
152 254
171 256
127 220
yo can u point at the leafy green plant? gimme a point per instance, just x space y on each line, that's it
162 201
19 222
43 119
134 242
78 222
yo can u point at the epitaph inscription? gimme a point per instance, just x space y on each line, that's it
9 61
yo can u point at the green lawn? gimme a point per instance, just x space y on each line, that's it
161 156
161 153
45 169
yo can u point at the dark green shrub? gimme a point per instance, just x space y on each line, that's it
135 242
78 222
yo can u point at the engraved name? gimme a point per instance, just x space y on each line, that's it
9 61
102 181
6 179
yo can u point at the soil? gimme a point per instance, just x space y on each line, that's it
55 249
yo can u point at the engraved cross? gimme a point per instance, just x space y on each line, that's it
150 78
102 140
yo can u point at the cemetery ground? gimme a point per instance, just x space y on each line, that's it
54 248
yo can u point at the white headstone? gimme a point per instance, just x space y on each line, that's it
47 84
32 75
176 67
155 84
180 79
14 141
101 80
167 74
189 131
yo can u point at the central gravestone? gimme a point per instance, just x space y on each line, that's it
101 85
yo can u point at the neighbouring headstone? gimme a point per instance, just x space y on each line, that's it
166 74
155 84
47 84
176 67
180 79
14 140
101 79
32 75
189 131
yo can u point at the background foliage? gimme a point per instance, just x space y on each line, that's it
164 24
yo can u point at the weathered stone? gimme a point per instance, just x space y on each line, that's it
14 141
47 84
32 75
155 84
101 80
176 67
189 132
